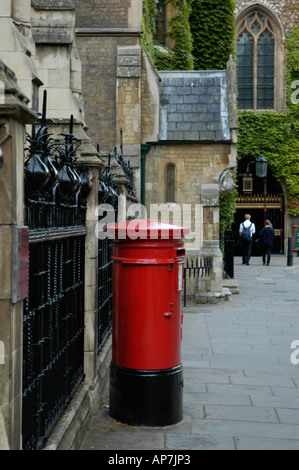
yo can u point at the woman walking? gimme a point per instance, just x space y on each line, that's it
266 238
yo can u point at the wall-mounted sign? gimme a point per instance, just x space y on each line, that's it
296 237
20 267
247 185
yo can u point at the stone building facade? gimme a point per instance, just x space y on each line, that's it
274 20
197 140
38 52
116 70
183 154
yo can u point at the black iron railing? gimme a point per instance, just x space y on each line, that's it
104 291
107 197
53 325
228 253
196 269
52 334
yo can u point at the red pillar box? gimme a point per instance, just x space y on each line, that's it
146 376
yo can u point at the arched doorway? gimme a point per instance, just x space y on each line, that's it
263 199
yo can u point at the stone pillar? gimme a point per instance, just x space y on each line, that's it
14 262
91 282
21 10
210 289
128 106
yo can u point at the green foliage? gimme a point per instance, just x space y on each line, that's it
164 58
292 62
148 27
179 29
213 31
227 209
276 136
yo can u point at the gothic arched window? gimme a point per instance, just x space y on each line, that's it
160 22
256 45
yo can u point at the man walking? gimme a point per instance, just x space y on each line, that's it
246 230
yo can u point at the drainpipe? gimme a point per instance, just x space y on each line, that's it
144 149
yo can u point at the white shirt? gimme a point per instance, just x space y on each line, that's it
246 224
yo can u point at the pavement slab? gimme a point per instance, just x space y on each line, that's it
241 389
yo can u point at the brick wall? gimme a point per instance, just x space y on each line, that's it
98 52
99 60
105 13
195 164
197 194
150 104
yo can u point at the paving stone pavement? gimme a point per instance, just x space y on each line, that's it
241 388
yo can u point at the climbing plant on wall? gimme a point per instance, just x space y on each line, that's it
292 67
213 30
211 24
148 27
180 58
276 135
180 31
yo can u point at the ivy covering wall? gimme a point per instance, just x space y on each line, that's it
213 31
204 33
163 58
276 135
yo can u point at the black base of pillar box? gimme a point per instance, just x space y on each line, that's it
146 398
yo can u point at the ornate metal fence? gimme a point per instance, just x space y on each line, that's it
56 189
196 269
104 291
108 197
53 326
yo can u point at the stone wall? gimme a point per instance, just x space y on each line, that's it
150 103
99 58
14 114
196 203
38 50
112 25
196 164
105 13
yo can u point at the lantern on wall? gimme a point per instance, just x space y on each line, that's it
261 167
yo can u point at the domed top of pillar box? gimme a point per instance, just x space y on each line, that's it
146 229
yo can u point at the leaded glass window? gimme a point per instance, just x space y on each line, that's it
160 22
245 70
265 71
255 62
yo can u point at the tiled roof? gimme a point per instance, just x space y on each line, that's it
194 106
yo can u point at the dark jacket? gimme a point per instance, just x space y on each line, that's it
267 236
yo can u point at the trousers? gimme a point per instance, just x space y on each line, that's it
247 246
